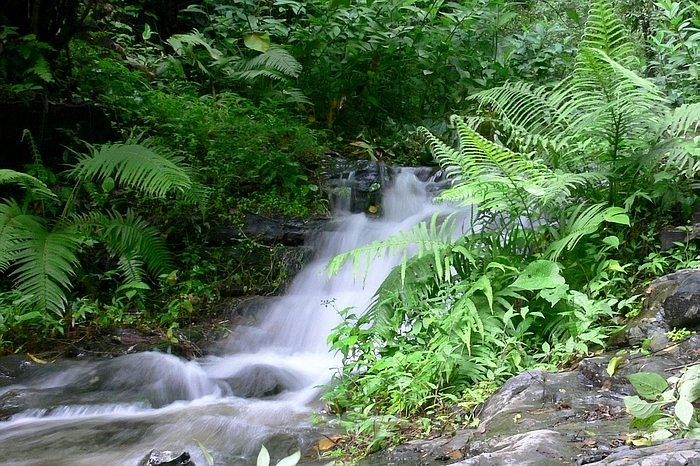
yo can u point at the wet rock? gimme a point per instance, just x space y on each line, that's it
673 301
535 448
356 185
539 400
11 402
12 367
167 458
262 381
422 452
671 235
684 452
270 229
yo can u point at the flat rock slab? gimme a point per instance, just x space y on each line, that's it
535 448
675 453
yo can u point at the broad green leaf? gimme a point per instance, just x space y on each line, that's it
290 460
613 241
613 364
693 433
684 411
640 408
617 215
689 384
649 385
263 457
660 435
259 41
554 295
539 275
108 184
147 32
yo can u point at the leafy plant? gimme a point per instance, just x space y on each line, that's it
530 279
41 252
675 48
264 458
656 394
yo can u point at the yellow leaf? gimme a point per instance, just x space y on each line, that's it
641 442
37 360
328 443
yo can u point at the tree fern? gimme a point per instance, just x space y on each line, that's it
136 166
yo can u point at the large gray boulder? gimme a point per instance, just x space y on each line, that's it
673 302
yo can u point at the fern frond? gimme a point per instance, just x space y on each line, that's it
136 166
277 59
433 238
604 31
495 178
253 75
129 236
582 221
13 219
295 96
34 185
43 263
683 120
131 268
677 156
525 109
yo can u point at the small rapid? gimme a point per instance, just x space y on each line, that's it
259 389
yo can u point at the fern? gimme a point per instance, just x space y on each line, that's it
498 180
35 186
276 59
583 220
131 268
13 219
43 264
682 120
605 32
136 166
129 236
430 238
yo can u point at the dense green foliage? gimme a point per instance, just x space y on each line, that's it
567 175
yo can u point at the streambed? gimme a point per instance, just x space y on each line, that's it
260 387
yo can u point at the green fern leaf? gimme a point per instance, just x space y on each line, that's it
43 263
604 31
129 236
131 268
136 166
683 120
277 59
13 220
28 182
582 221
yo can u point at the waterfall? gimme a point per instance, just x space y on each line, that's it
260 389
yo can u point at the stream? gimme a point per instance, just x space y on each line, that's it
260 387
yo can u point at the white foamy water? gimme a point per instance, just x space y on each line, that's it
262 389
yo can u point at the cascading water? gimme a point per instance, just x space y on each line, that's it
261 389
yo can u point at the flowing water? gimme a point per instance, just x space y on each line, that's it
261 388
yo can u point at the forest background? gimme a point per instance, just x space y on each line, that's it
576 132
